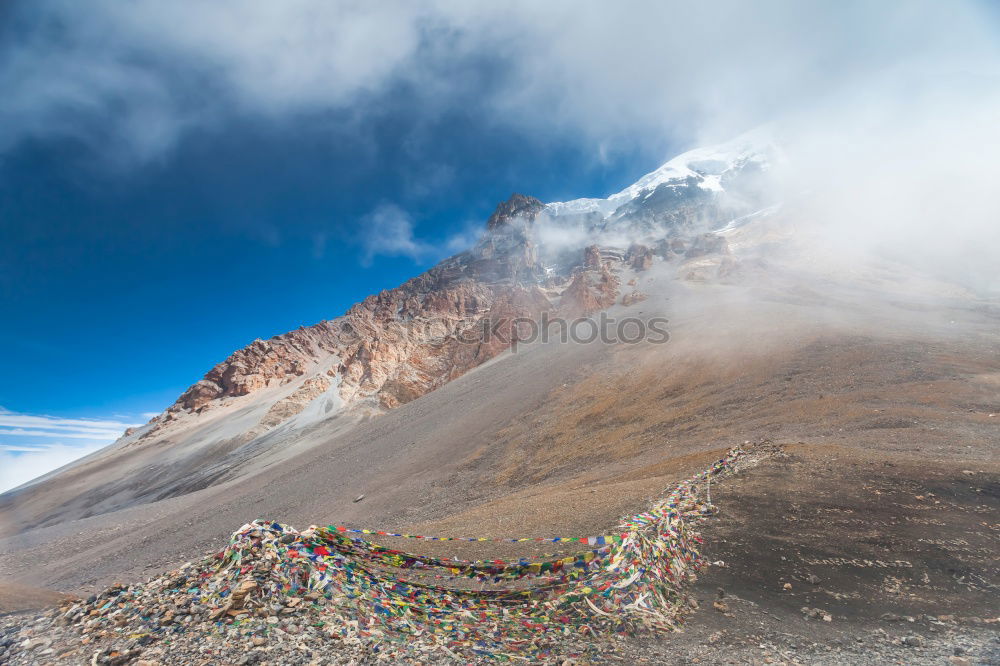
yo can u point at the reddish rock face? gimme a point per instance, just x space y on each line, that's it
262 363
297 401
477 339
591 289
639 257
394 346
443 335
589 292
518 206
592 257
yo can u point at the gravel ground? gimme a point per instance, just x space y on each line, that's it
33 640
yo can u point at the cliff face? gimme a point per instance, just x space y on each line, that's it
592 288
260 364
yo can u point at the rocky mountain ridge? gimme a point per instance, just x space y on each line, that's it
564 259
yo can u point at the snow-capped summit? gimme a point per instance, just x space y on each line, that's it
709 168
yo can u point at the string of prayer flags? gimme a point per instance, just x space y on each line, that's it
395 602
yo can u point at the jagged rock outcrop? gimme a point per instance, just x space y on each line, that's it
428 364
508 251
639 257
287 407
260 364
594 287
517 207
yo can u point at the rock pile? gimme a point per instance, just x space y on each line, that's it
275 594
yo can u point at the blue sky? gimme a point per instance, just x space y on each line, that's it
178 179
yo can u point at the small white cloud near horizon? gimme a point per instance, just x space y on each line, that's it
23 459
466 237
388 232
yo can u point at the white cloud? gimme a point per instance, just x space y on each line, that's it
134 77
21 462
465 238
9 418
388 231
18 465
83 433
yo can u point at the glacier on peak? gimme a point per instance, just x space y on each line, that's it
705 167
